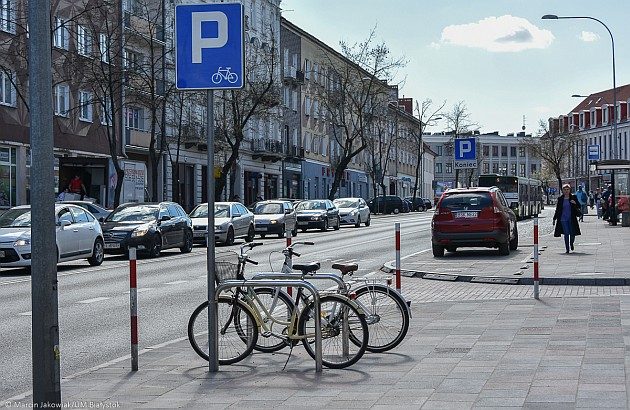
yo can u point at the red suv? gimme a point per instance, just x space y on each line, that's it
466 217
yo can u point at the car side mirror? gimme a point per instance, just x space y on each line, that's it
64 223
236 215
101 219
287 211
165 218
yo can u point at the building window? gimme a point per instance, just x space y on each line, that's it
307 106
7 16
581 120
486 151
503 170
449 168
7 89
84 41
533 169
103 44
486 168
522 170
294 101
438 167
495 150
495 168
439 151
85 106
106 112
307 69
512 169
62 100
504 151
135 118
61 37
132 60
521 151
513 152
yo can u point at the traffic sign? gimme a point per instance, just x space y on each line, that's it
209 46
465 153
593 152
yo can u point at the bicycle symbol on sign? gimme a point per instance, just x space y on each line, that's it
224 74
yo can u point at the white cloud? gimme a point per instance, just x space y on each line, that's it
498 34
588 36
435 45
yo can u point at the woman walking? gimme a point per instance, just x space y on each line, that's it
567 212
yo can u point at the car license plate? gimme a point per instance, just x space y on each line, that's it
1 254
466 214
112 246
261 228
302 223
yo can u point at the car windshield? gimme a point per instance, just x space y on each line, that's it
136 213
268 209
346 203
16 218
310 205
467 202
221 211
200 212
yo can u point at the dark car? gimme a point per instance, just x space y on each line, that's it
467 217
317 213
427 203
149 227
387 204
416 204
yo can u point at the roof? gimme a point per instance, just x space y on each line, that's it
603 97
471 189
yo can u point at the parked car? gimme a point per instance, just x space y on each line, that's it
386 204
149 227
317 213
274 217
353 211
406 206
417 204
78 236
98 211
231 220
466 217
427 203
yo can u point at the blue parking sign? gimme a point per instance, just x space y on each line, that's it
209 46
465 149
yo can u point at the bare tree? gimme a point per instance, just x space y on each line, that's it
552 147
458 122
355 94
380 147
427 114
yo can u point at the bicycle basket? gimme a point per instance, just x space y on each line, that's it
225 267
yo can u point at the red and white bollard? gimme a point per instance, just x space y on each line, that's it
398 256
536 290
287 235
133 305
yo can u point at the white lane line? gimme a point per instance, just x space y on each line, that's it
29 313
99 299
177 282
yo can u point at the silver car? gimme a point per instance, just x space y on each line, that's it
231 220
274 217
353 211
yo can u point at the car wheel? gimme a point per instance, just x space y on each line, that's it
514 242
325 225
262 235
368 222
250 234
358 224
188 242
338 224
438 251
303 229
282 230
98 253
156 246
229 239
451 249
294 231
504 248
396 211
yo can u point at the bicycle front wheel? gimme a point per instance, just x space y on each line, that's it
237 333
339 320
275 312
386 314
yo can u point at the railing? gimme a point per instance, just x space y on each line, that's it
265 145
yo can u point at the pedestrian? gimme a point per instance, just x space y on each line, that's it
62 195
591 199
567 212
259 198
605 203
597 198
76 186
583 200
236 198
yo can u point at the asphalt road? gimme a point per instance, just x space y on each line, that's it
94 302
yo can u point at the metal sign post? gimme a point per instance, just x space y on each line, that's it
209 55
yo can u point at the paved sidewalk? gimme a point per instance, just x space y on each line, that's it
495 347
601 257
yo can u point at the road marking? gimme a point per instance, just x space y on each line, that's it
29 313
99 299
177 282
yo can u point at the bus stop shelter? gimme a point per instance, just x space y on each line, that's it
619 177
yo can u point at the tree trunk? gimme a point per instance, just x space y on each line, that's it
120 175
175 183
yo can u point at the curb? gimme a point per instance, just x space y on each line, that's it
503 280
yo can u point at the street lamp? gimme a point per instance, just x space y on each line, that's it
613 217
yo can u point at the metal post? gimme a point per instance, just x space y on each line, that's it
213 328
398 256
45 308
536 290
287 235
133 307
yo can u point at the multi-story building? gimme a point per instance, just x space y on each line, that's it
496 154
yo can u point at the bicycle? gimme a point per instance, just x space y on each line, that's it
249 313
224 74
387 312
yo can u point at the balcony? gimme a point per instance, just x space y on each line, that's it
267 149
293 76
293 151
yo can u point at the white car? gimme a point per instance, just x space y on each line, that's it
79 236
231 220
353 211
99 212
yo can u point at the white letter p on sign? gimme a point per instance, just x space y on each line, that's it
465 147
198 42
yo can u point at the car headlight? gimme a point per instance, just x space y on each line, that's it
221 227
273 222
354 212
22 242
139 232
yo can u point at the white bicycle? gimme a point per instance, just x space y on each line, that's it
224 74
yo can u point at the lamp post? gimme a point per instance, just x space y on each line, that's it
613 217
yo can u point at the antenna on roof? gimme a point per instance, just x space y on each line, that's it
523 127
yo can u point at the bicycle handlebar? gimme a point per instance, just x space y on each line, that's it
251 261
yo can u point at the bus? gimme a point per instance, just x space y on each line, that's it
524 195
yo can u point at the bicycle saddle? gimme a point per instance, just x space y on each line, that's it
345 268
306 267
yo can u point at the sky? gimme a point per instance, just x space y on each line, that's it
499 57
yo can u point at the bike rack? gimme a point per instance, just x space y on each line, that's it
228 284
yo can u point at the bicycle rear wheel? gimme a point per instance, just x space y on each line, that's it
386 314
280 308
336 353
237 334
